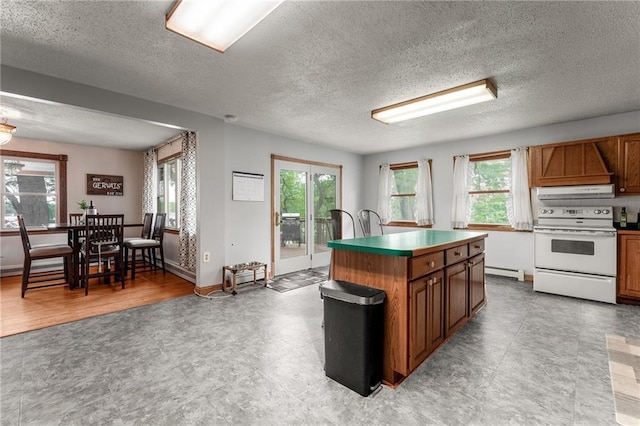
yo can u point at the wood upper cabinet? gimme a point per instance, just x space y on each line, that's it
573 163
628 170
426 317
629 267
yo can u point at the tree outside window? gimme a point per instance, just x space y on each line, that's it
489 185
31 187
403 195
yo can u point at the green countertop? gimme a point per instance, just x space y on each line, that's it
404 243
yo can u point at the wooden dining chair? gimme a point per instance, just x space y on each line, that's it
75 218
364 217
148 245
104 242
40 252
147 225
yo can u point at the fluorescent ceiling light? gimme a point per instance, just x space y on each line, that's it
217 23
458 97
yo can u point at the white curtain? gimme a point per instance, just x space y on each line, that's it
150 183
460 208
519 202
385 185
187 255
424 195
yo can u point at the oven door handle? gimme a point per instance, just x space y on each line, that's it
565 232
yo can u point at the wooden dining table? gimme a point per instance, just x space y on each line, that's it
73 232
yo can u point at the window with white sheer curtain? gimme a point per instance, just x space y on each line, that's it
491 191
405 194
519 202
460 200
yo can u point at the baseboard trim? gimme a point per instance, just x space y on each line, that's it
203 291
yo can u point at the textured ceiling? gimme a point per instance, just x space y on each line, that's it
36 119
313 71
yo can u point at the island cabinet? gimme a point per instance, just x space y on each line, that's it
477 288
628 267
457 296
427 315
433 282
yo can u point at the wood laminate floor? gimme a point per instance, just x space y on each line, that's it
58 305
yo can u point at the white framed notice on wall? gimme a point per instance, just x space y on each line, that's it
247 186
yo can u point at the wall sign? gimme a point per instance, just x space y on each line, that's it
248 186
105 185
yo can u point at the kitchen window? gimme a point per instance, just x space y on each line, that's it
169 191
403 194
489 185
33 185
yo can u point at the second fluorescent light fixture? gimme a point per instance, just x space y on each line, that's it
217 23
458 97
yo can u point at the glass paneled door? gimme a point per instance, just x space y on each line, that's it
304 194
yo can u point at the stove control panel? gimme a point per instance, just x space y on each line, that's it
605 213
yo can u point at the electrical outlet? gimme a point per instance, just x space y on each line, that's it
205 256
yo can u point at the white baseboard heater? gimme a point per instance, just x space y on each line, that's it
505 272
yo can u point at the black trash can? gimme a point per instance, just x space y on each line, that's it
353 333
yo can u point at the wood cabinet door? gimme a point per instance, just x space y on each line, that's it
455 297
435 311
477 290
418 322
426 320
629 164
629 266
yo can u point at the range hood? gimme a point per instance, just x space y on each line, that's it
575 192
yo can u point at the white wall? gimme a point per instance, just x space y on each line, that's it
503 249
224 148
248 224
82 160
210 150
230 231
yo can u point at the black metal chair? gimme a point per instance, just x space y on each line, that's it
149 245
39 252
104 238
364 217
336 223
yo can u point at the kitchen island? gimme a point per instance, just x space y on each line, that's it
434 283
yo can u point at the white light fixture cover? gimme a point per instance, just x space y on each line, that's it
458 97
217 23
6 132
